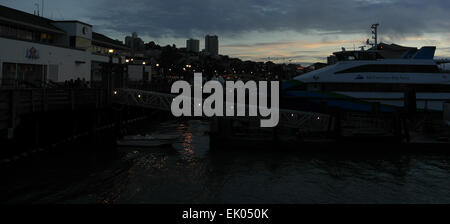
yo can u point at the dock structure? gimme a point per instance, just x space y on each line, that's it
163 101
298 124
15 103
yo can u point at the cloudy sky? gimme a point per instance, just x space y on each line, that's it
302 31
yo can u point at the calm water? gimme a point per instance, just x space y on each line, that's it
192 173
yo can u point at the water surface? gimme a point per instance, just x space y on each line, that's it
191 172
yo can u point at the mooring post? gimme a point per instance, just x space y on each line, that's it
44 100
410 101
397 126
118 123
14 100
36 133
94 125
338 123
72 99
376 107
406 130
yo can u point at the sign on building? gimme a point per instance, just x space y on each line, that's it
32 53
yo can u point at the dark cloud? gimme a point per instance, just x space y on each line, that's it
183 18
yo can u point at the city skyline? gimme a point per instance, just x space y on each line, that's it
296 31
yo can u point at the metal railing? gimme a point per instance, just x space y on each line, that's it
163 101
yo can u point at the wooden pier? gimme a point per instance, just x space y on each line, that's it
15 103
86 105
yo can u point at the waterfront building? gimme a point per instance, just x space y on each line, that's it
37 50
212 44
101 45
193 45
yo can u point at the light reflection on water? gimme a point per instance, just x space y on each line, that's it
189 172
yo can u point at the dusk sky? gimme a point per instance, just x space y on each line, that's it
297 30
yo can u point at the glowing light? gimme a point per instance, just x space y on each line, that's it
111 51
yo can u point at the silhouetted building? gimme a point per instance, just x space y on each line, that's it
135 43
212 44
193 45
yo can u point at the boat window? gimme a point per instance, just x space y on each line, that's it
385 68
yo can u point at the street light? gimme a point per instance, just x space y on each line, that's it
111 51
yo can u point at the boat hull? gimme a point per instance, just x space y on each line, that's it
362 101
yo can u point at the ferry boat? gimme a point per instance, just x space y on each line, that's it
384 75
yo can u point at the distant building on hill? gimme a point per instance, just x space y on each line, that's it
212 44
193 45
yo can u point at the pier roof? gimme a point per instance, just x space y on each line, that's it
14 16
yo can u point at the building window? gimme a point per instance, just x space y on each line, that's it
23 75
46 38
389 68
24 35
